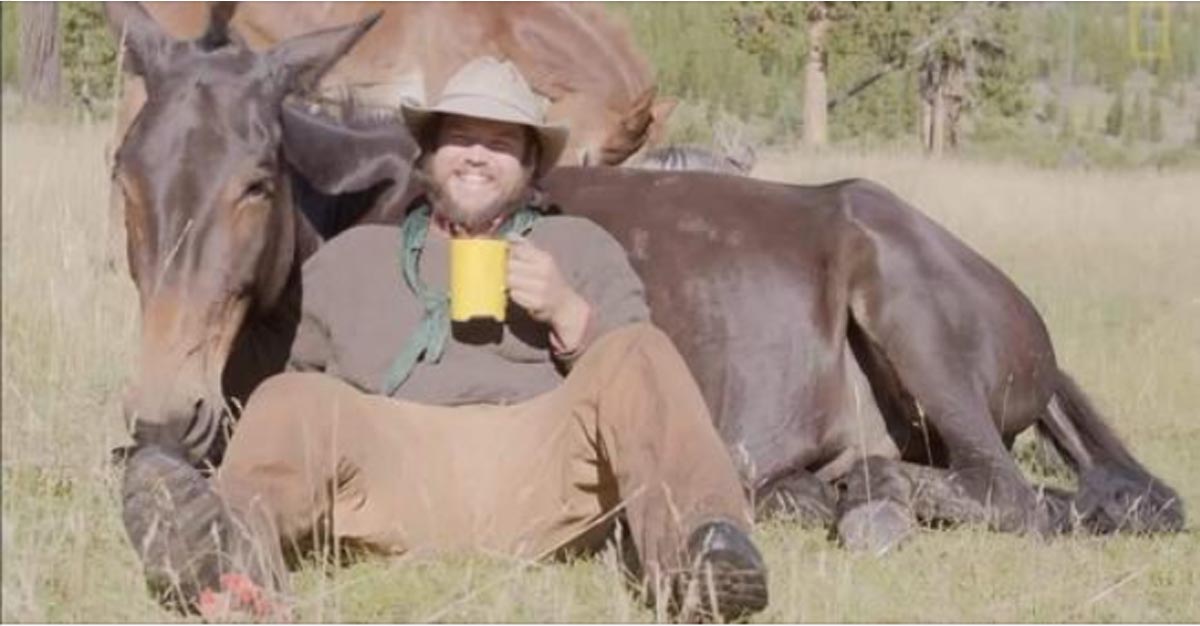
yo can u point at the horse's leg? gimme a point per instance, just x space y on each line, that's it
1116 492
879 497
920 338
959 413
939 499
873 510
798 496
922 298
875 506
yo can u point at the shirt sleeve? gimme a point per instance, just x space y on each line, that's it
312 347
600 272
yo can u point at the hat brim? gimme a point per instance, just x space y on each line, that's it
551 137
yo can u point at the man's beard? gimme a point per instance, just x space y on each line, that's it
478 222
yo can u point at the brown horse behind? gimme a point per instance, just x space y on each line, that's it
574 54
834 330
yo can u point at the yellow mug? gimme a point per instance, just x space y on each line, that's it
478 267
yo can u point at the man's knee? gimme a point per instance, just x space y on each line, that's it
293 398
638 335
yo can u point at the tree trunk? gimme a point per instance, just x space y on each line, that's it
937 121
40 69
816 96
926 123
954 93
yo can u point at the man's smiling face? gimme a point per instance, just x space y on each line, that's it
479 170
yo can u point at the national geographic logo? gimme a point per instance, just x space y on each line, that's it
1150 31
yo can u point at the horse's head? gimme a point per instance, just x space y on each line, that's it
208 211
607 132
599 84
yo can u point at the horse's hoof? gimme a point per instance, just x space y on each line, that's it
875 527
802 500
1011 504
1057 505
1111 501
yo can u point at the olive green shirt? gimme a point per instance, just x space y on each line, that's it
358 312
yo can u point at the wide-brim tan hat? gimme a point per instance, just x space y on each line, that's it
490 89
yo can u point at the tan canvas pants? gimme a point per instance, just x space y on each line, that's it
627 429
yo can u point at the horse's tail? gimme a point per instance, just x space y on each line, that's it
1116 493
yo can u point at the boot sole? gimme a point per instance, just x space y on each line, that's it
174 519
740 588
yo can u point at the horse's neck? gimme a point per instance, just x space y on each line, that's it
264 342
306 237
284 314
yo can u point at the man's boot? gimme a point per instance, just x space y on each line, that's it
727 579
196 556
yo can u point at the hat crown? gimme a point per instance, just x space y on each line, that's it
488 78
489 89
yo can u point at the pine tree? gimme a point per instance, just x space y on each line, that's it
818 19
1154 130
8 42
39 45
1067 129
1114 121
89 57
1050 109
1135 126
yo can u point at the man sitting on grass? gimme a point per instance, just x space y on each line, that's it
399 432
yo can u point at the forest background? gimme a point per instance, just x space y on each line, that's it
1106 85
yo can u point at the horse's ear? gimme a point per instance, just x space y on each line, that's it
354 167
662 108
147 45
639 112
303 60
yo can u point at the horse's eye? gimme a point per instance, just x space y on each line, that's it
259 189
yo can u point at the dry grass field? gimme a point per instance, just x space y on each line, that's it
1112 260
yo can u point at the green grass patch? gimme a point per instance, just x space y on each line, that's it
1109 259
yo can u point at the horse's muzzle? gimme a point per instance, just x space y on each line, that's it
196 432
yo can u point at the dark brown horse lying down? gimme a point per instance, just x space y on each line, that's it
835 330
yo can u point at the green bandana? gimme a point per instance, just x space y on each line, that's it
429 340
